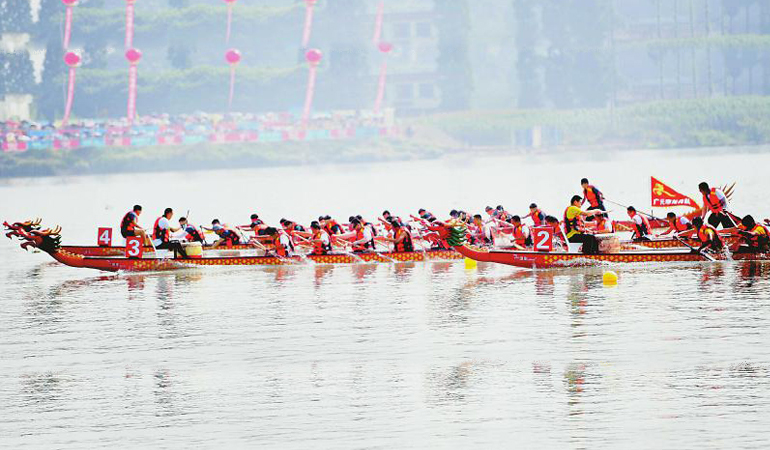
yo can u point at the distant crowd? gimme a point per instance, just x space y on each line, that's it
165 129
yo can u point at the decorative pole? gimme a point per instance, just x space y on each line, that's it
133 56
309 4
230 4
378 22
313 57
72 59
69 4
385 48
129 24
233 57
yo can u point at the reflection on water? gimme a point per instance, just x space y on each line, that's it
397 356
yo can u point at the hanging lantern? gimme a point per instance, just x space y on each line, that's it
68 4
309 5
385 48
133 56
129 24
230 4
233 57
313 57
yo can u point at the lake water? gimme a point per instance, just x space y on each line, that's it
383 356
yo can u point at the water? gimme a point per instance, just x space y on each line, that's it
382 356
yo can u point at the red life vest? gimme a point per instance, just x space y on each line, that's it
759 239
193 235
280 249
538 218
365 245
679 226
319 248
406 245
159 233
332 227
644 228
712 201
590 194
127 224
518 235
704 236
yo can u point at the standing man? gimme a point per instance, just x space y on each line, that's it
592 195
715 201
129 226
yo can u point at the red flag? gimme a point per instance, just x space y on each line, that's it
664 197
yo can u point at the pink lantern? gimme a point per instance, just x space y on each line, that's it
129 23
233 57
68 4
313 57
230 4
309 4
72 59
133 56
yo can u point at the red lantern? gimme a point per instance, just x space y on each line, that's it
72 59
69 4
385 48
133 55
307 29
129 23
314 56
233 56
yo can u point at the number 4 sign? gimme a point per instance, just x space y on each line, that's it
134 247
543 239
104 237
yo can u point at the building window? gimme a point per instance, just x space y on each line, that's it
424 30
402 30
427 91
404 92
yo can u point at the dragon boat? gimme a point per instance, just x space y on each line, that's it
49 241
530 259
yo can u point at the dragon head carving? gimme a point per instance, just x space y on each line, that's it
48 240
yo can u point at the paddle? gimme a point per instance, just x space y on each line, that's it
708 257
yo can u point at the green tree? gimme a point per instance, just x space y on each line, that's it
15 16
456 81
179 56
20 75
50 94
528 62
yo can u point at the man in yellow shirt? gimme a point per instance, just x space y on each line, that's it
573 224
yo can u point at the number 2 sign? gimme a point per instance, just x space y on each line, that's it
543 239
134 247
104 237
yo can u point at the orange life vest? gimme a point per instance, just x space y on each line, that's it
707 233
538 218
679 226
280 249
575 224
643 229
158 233
405 245
366 245
518 235
319 248
712 201
590 194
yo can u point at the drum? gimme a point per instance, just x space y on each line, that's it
193 249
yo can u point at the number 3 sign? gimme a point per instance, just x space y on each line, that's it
104 237
543 239
134 247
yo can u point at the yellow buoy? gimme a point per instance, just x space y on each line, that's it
610 277
470 263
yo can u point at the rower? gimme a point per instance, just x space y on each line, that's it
592 195
755 235
708 236
537 216
284 246
129 225
256 225
290 227
491 212
573 224
502 214
521 235
226 236
715 201
641 225
192 234
322 242
558 235
402 238
676 224
368 225
425 215
161 234
330 225
364 237
482 234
